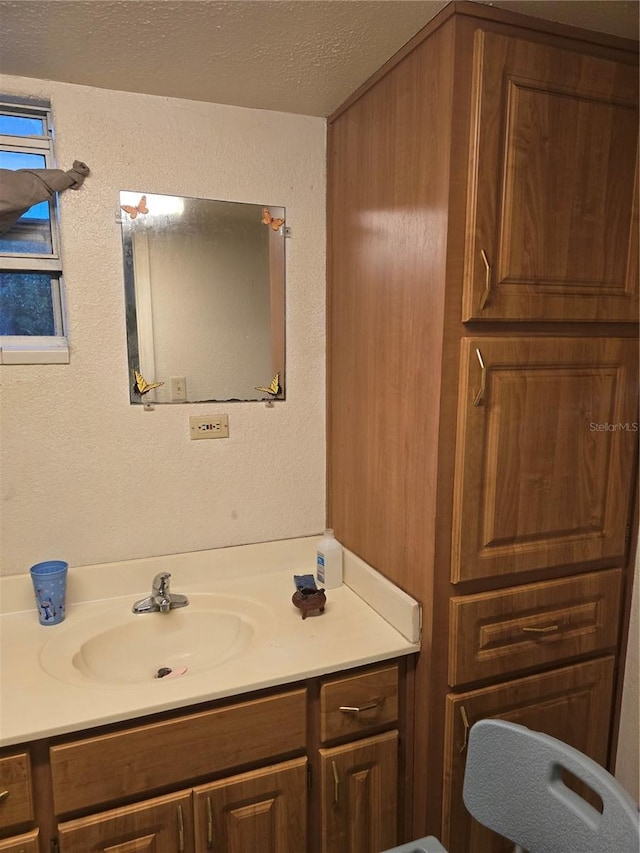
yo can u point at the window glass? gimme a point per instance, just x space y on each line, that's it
32 232
16 125
27 306
31 283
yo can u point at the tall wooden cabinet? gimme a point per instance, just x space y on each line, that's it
483 375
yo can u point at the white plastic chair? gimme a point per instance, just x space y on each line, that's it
513 785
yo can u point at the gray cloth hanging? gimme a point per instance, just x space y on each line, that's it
20 189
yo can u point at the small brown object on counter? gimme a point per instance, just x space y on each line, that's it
307 600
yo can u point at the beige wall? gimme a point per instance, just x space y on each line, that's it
86 477
628 760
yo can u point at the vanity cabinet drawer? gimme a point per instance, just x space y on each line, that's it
350 706
149 757
16 799
27 843
498 633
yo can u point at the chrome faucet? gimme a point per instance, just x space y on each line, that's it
161 600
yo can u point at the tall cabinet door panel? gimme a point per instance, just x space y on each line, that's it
551 210
545 453
264 810
571 704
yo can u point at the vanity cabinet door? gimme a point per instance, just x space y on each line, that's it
572 704
359 787
16 798
552 202
27 843
161 825
264 810
545 453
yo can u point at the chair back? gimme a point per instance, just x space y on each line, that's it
513 785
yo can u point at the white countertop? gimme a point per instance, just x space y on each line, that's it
365 621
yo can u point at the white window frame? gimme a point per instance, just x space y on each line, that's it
34 349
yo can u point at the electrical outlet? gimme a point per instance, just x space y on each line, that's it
208 426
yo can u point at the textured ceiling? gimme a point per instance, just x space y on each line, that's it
303 57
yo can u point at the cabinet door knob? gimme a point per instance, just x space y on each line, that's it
354 709
487 280
3 795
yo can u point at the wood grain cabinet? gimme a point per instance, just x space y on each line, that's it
16 791
160 825
572 704
359 789
552 213
231 777
359 779
261 810
483 375
17 803
500 633
547 429
26 843
265 809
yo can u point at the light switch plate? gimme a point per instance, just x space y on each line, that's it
178 389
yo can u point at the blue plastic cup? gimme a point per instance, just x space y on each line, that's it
50 587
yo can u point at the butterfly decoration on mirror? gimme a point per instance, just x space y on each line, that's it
267 219
141 207
141 386
273 389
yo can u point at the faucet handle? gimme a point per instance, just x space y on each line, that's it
161 583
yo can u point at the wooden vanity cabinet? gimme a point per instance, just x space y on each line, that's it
359 785
26 843
483 375
262 810
552 215
546 437
359 779
16 791
160 825
563 703
258 773
17 810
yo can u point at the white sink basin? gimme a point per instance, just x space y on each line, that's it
112 646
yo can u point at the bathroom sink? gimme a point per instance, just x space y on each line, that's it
112 646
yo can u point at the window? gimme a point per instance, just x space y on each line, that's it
31 293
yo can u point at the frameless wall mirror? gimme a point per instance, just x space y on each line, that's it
205 298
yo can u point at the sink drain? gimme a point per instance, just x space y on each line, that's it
167 671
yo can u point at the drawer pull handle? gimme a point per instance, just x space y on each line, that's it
465 723
336 784
180 830
548 629
353 709
487 280
209 825
3 795
483 380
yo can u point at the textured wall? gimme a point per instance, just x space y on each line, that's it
628 759
87 477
